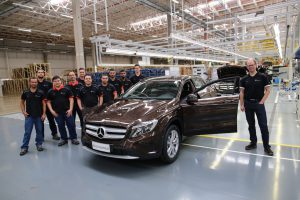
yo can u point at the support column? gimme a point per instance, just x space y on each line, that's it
78 35
94 59
7 64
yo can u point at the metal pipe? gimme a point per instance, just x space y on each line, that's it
95 17
106 15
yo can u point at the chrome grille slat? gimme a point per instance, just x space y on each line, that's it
109 132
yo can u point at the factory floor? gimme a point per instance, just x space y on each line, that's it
211 167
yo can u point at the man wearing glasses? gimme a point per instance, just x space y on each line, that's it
254 91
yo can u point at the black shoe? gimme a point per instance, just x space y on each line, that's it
250 146
62 142
75 141
39 148
269 152
55 137
23 152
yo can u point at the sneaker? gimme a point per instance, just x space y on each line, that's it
269 152
23 152
250 146
75 141
39 148
55 137
62 142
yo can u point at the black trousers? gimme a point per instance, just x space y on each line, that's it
51 121
252 108
78 111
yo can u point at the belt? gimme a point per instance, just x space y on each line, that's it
253 100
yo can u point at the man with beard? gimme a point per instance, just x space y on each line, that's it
33 107
125 82
45 86
115 82
75 87
108 90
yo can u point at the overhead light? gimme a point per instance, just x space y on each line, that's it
150 54
277 39
87 47
67 16
120 51
63 52
175 1
123 29
56 34
22 5
57 2
154 36
99 23
24 29
46 51
71 46
1 39
26 42
257 53
50 44
3 48
26 49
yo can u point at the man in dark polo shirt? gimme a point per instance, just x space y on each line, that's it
45 86
60 103
137 76
254 91
75 87
33 106
125 82
108 90
80 79
115 82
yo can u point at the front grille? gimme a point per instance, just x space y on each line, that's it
105 132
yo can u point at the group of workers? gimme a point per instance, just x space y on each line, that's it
61 103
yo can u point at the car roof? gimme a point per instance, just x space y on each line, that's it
169 78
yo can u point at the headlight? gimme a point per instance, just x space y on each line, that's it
143 128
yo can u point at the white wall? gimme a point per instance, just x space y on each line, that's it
58 62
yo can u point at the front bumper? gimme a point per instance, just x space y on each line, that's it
145 147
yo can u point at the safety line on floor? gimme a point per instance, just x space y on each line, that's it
245 140
240 152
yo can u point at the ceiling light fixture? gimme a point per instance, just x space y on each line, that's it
123 29
56 34
26 42
57 2
277 39
22 5
99 23
175 1
24 29
50 44
67 16
257 53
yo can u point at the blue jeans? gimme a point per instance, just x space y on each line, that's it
252 109
61 120
29 122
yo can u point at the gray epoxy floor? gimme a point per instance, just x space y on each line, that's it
215 167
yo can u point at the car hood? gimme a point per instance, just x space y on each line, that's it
127 111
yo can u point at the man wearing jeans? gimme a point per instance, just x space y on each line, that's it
33 107
45 86
254 91
60 103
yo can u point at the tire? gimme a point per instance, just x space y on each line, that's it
171 149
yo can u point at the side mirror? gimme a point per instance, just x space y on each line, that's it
192 99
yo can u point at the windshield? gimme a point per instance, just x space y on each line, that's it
166 90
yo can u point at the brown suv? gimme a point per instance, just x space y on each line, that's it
151 118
